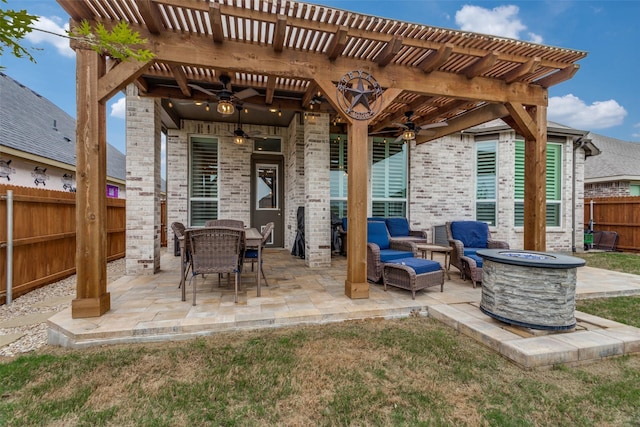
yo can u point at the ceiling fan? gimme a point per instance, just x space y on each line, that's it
228 101
410 130
239 135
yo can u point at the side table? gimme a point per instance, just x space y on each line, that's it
423 248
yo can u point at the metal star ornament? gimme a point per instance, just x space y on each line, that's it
358 92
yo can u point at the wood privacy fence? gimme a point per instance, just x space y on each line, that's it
44 236
619 214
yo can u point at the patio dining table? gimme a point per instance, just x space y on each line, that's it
252 240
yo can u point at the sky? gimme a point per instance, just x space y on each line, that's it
603 96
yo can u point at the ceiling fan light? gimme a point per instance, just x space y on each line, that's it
409 135
225 107
238 140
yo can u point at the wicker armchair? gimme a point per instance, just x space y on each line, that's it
465 238
380 249
399 229
215 250
251 255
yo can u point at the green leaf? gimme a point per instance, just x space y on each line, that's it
119 43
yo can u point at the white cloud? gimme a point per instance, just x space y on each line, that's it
572 111
54 33
119 108
500 21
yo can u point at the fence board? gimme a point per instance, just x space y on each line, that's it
619 214
44 234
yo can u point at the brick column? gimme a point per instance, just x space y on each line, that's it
143 183
317 215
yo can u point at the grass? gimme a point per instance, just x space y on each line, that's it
412 371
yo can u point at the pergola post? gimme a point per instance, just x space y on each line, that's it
92 298
356 285
535 182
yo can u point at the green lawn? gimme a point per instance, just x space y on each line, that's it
405 372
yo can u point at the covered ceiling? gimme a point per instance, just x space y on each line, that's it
279 48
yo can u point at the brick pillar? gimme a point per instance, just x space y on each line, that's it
317 216
143 183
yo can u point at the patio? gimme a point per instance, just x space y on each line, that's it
149 309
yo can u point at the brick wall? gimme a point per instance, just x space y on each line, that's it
143 184
294 179
317 190
607 189
442 188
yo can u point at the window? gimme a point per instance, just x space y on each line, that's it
267 145
203 180
338 175
486 182
554 184
634 189
389 178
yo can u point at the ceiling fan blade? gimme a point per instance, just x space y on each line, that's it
434 125
247 93
203 90
398 139
401 125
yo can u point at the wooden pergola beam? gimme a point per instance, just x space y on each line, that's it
279 33
77 10
151 15
389 51
271 90
181 79
480 65
478 116
338 43
522 121
436 58
251 58
120 76
215 17
559 76
311 91
522 70
356 31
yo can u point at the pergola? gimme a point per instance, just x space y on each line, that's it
290 52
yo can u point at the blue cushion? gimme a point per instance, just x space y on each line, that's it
473 234
376 218
398 227
477 259
471 251
419 265
373 218
251 253
391 254
377 233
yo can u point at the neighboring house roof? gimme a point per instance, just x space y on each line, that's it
32 124
618 161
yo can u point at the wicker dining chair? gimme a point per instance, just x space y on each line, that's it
251 255
179 231
235 223
216 250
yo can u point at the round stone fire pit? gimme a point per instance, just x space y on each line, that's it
535 290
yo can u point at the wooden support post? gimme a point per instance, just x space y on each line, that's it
356 285
92 298
535 183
